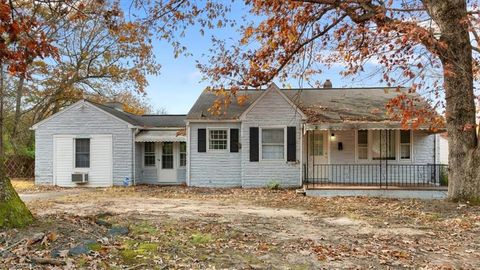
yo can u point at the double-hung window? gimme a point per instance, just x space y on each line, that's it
405 145
149 154
218 139
362 145
273 146
82 153
183 154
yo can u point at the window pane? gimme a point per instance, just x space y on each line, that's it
167 155
183 154
218 139
405 151
405 136
167 162
362 152
362 137
82 153
318 144
167 148
272 152
383 144
149 158
272 136
149 147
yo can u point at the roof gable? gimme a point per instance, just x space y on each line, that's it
272 88
132 120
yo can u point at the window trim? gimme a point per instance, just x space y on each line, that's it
75 153
358 160
154 155
260 144
397 159
399 145
228 139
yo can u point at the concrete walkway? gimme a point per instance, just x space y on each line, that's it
48 195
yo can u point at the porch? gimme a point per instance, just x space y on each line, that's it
371 159
160 157
377 176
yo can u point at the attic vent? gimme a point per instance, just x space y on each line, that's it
327 84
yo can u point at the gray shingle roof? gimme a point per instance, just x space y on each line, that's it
327 105
199 110
164 120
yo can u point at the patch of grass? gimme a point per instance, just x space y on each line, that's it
200 238
147 247
143 228
135 250
129 256
94 246
82 262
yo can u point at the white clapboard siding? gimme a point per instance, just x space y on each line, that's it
100 171
83 119
63 160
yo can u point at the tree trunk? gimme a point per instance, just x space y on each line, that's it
13 212
456 57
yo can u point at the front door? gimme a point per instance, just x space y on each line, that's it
318 154
167 171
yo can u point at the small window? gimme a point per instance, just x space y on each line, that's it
362 144
183 154
383 145
273 144
82 153
167 155
149 156
218 139
405 144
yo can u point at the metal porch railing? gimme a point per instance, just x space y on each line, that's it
376 175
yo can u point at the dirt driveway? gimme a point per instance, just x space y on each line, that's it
188 228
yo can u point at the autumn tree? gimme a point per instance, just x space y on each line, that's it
17 45
60 53
429 46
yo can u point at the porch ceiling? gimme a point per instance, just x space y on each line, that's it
363 125
159 136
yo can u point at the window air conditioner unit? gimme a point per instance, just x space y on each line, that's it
80 178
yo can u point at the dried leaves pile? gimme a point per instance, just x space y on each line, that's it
243 229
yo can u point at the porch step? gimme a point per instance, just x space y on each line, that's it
301 191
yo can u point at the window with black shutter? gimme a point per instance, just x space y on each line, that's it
234 140
202 140
291 144
254 144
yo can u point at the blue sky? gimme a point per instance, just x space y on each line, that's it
178 85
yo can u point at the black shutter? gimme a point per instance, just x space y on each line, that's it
291 144
234 140
254 144
202 140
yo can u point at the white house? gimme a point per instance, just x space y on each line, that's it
293 137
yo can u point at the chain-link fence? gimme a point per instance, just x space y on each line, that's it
20 167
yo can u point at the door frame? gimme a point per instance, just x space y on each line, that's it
175 154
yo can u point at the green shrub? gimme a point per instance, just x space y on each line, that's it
273 185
